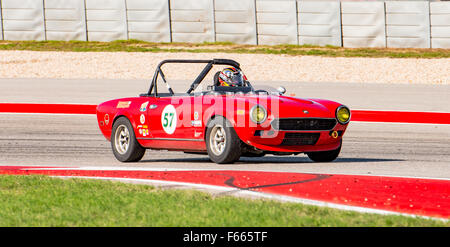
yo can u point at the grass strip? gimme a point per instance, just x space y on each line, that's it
45 201
222 47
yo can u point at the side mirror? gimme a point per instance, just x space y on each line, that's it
281 90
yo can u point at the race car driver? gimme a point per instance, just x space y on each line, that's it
231 77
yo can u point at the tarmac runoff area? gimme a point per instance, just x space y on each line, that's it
388 156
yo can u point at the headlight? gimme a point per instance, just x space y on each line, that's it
343 114
258 114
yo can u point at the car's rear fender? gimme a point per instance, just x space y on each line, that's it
108 113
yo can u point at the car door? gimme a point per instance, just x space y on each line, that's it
170 118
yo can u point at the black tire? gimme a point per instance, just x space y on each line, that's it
231 148
325 156
123 133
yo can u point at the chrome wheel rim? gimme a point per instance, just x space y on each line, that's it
218 140
122 139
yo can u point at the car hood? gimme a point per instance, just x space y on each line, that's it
288 107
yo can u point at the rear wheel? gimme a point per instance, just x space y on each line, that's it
123 142
325 156
222 142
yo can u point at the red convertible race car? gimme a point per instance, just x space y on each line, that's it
224 117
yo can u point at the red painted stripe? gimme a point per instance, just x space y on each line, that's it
401 117
426 197
357 115
48 108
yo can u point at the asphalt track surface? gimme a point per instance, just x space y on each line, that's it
370 148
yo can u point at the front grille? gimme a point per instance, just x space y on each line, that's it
304 124
292 139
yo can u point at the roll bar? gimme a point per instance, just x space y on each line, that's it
200 77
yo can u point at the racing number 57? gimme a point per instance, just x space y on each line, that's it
168 119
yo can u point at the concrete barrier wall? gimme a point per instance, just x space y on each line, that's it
319 23
1 22
148 20
106 20
235 21
276 22
416 24
363 24
408 24
23 20
65 20
192 20
440 24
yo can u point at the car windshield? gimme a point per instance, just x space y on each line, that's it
268 89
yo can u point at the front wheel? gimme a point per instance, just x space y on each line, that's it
325 156
123 142
222 142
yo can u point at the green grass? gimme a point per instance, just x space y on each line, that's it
225 47
45 201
